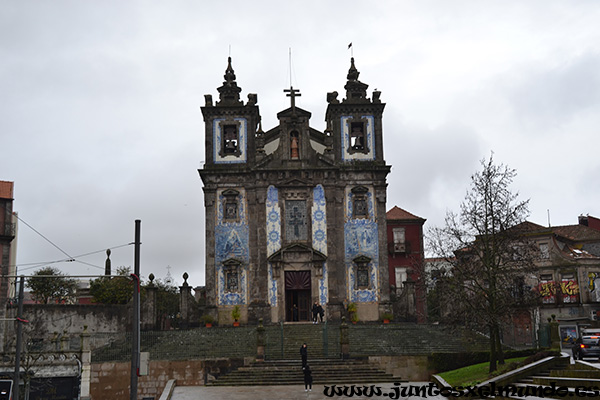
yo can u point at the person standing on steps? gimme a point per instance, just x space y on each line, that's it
304 354
315 312
321 312
308 379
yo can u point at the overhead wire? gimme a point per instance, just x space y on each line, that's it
45 238
70 259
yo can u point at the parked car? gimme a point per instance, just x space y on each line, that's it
587 347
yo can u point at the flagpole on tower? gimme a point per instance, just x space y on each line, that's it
290 61
351 50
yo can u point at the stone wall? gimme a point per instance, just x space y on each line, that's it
71 318
412 368
111 380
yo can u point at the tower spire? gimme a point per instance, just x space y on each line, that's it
356 91
229 93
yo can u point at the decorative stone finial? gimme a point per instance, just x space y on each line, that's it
356 91
353 72
185 277
229 73
107 264
229 93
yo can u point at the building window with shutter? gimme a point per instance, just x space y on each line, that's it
399 239
231 205
544 251
363 275
231 272
569 288
360 207
547 289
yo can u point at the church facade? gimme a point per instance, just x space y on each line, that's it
295 216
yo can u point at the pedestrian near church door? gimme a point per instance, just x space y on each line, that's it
297 293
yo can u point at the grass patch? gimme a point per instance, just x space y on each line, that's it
477 373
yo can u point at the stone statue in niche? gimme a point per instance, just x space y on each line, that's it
294 147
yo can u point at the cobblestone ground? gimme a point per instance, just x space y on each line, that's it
291 392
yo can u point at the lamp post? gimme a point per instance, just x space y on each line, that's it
135 348
20 321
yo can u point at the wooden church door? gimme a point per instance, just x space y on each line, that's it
298 294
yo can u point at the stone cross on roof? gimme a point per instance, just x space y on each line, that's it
292 93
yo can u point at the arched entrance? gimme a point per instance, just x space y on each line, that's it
297 293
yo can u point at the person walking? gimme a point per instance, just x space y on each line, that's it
321 312
308 379
304 354
315 312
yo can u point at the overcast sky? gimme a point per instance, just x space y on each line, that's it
100 120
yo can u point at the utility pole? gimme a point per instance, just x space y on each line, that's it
135 347
17 376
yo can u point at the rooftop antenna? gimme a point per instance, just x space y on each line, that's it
290 61
291 92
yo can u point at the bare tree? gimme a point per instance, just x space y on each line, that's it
491 258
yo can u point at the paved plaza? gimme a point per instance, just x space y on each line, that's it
289 392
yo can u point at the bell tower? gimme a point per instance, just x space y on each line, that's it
356 121
229 196
230 125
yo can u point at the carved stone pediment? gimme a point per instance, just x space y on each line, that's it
361 260
297 252
231 263
294 183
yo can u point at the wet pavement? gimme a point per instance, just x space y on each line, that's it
292 392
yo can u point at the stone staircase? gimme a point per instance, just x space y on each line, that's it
564 374
289 372
323 341
536 381
413 339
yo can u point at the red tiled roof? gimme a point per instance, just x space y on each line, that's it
528 227
398 213
6 190
577 232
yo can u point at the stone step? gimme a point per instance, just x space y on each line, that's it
323 375
575 373
254 382
290 372
565 381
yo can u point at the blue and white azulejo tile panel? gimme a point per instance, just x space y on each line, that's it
319 235
231 242
361 238
273 220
